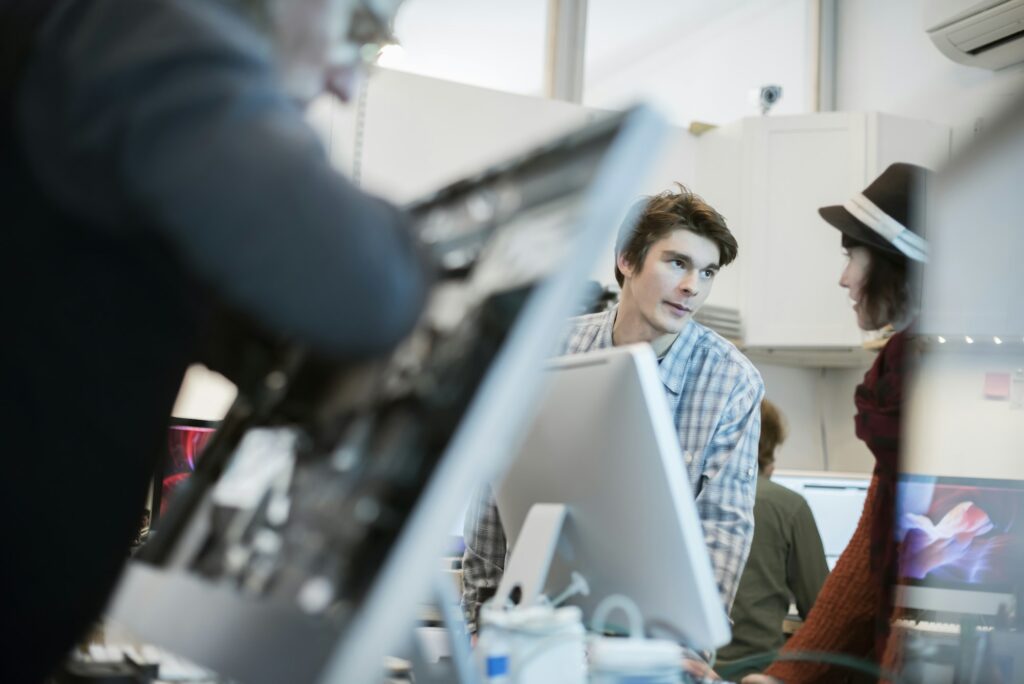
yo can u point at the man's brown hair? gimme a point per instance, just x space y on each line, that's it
670 211
773 433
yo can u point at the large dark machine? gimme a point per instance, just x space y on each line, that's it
310 529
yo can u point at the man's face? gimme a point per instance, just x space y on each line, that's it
675 279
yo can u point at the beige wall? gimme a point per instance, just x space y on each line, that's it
818 405
953 429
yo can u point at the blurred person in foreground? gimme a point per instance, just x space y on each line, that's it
852 614
786 558
157 168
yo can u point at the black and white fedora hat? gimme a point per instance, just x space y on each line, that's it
881 215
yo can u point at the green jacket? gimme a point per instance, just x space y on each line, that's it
786 560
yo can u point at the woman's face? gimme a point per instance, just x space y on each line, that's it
854 278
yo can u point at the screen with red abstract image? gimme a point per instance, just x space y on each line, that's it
185 443
960 532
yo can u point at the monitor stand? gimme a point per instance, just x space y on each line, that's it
530 561
460 668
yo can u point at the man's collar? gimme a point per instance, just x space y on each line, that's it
676 355
680 349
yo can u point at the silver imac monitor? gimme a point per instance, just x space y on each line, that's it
604 446
961 544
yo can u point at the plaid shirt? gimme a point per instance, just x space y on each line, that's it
714 395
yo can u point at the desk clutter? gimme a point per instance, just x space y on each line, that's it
542 643
126 663
973 649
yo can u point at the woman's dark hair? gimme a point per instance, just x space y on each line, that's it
886 293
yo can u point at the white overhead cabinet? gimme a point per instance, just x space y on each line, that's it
768 176
419 133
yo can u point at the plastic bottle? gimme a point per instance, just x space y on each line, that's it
637 661
540 644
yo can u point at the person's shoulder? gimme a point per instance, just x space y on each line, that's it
195 25
780 492
722 351
582 331
593 320
782 497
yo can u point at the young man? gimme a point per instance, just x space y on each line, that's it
666 264
786 558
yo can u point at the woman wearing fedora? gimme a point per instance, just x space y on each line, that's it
851 615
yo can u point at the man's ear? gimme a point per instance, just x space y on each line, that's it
624 266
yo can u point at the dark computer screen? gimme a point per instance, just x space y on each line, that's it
186 439
961 532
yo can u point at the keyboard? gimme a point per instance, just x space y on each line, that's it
170 667
936 628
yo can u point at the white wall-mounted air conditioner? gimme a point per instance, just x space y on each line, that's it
980 33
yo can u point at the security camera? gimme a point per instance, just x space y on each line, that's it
766 96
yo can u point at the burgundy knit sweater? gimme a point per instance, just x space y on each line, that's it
851 614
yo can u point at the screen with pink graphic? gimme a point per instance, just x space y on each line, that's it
960 532
185 442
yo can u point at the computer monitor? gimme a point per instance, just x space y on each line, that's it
186 438
603 445
961 543
836 500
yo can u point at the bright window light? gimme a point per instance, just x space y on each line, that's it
391 56
969 339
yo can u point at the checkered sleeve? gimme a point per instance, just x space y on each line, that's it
484 559
726 499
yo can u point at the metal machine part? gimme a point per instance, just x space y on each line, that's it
318 575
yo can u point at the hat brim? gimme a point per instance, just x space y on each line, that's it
849 225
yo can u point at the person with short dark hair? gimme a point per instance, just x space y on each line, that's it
666 262
852 613
786 557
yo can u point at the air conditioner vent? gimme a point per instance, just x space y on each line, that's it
993 45
987 34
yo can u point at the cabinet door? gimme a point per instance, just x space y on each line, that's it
422 133
793 257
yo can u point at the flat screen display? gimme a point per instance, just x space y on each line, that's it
961 533
186 440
